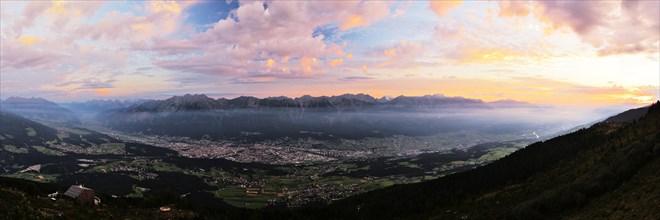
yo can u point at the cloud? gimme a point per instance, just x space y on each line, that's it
28 40
29 15
76 82
613 27
60 38
19 57
260 78
160 19
270 63
167 46
354 78
336 62
278 39
389 52
514 9
467 45
284 32
441 8
403 53
365 13
102 92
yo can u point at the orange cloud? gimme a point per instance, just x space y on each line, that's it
390 52
353 21
101 91
28 40
349 56
534 54
514 9
142 26
441 8
307 64
60 7
489 56
336 62
270 63
363 14
168 6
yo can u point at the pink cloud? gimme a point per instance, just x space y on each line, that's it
29 15
167 46
613 27
19 57
283 32
441 8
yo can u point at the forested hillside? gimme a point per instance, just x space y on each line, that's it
606 171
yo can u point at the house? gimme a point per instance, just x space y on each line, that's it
82 195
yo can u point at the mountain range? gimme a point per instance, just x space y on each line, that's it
39 109
200 102
345 116
100 105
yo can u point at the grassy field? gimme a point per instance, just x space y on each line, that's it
237 196
34 177
14 149
48 151
31 132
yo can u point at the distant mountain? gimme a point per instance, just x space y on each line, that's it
244 102
100 105
39 109
509 103
178 103
279 102
432 100
345 102
432 103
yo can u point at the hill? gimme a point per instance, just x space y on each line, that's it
100 105
18 131
39 109
629 116
575 175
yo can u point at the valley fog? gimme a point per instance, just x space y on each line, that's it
272 124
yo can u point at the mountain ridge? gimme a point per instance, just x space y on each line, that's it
39 109
360 101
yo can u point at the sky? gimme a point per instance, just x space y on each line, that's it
550 52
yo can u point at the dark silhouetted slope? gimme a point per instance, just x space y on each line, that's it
571 175
629 116
18 131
